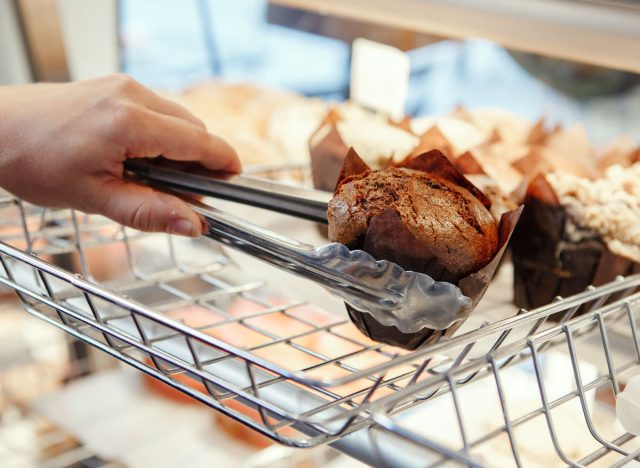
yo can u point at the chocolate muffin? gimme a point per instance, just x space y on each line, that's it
454 229
426 217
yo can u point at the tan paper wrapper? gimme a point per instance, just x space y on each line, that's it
328 151
433 138
327 157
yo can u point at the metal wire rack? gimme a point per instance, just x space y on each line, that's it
53 447
34 362
184 313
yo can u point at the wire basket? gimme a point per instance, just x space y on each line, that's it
184 313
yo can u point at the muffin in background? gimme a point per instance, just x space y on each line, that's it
575 232
379 142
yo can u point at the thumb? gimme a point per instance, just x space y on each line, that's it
146 209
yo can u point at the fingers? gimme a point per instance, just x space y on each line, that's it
168 107
148 133
126 88
150 125
146 209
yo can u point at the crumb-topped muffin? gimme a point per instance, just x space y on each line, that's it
576 232
609 206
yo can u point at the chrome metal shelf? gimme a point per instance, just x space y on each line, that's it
184 313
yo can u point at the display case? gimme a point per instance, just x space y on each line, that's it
276 354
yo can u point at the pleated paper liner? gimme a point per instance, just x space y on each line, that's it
328 150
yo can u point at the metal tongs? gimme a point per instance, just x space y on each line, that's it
405 299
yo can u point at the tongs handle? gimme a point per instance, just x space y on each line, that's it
407 300
331 266
189 177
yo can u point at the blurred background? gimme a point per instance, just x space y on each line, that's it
567 61
170 45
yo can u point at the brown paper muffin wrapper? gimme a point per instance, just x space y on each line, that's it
328 152
389 239
547 262
327 157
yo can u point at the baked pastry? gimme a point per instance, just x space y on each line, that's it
454 232
501 201
254 150
379 143
424 216
233 108
291 126
258 122
576 232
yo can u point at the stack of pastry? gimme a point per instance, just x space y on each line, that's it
582 213
265 126
582 208
482 145
493 147
560 248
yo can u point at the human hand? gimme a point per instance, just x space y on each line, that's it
64 145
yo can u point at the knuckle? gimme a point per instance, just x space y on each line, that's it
124 84
123 115
202 138
141 217
198 122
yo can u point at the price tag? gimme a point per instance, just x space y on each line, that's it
379 77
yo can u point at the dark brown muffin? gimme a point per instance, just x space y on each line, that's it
450 225
425 216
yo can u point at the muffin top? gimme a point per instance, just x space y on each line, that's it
609 206
451 223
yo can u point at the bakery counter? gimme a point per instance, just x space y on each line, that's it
280 359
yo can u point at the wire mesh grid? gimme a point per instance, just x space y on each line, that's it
570 422
299 374
36 361
29 439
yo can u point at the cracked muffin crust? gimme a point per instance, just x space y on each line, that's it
449 223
